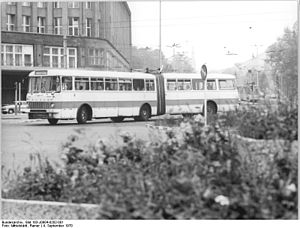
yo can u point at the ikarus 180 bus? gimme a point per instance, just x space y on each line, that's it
63 94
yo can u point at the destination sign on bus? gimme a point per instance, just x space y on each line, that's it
41 72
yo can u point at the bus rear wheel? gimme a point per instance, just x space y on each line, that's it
117 119
52 121
145 113
82 115
211 108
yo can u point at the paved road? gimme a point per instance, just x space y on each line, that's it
20 136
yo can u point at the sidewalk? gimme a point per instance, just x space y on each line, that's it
14 116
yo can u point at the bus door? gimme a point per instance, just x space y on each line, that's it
161 101
211 91
125 97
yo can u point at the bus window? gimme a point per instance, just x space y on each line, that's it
97 84
211 85
111 84
35 84
81 83
67 83
44 84
138 84
197 84
125 84
226 84
171 84
187 84
150 85
180 84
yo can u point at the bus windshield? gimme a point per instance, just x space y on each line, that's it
44 84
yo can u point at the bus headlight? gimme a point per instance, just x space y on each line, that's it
52 105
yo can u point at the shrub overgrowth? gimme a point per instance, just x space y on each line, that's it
189 172
263 121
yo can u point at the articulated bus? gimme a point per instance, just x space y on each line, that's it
85 95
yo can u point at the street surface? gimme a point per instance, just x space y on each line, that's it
20 136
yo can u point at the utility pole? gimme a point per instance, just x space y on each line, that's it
19 109
159 54
16 96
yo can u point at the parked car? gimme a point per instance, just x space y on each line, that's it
10 108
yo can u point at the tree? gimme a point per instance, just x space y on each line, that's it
143 58
181 63
283 57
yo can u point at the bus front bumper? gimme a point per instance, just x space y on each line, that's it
41 115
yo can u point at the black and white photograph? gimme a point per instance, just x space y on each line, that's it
148 110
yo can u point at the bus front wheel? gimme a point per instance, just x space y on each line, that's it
52 121
82 115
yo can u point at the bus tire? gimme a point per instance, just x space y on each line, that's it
117 119
82 115
52 121
145 113
211 108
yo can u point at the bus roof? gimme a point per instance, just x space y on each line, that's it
195 75
88 73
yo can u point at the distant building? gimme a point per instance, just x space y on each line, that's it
97 36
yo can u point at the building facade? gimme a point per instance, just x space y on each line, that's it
39 35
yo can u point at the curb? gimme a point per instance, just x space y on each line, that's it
31 209
158 127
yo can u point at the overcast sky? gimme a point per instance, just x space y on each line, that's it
211 29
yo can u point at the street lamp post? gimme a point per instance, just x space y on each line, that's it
159 54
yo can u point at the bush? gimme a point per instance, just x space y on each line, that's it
263 122
189 172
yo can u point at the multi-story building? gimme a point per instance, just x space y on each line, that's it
39 35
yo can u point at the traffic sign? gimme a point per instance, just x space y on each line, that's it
203 72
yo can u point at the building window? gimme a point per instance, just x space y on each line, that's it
26 4
73 4
54 57
72 63
57 26
88 5
41 24
11 3
56 5
26 24
73 26
89 27
10 25
108 60
16 55
99 28
41 4
96 56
